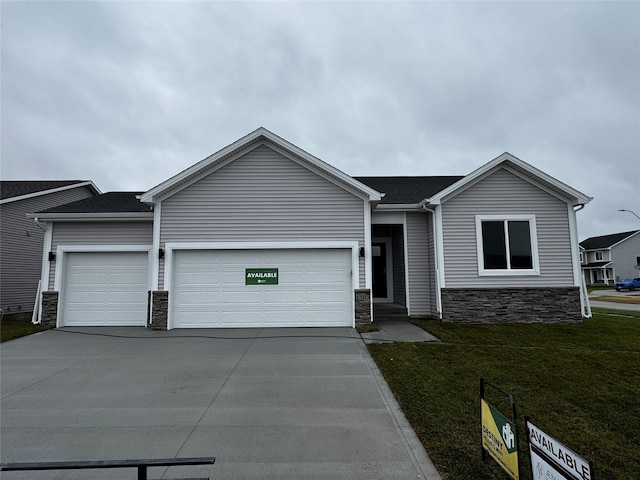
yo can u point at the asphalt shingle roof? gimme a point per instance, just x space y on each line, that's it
408 190
17 188
605 241
110 202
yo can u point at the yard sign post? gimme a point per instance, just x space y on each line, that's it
499 435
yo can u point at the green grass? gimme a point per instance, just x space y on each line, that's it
578 382
591 288
12 330
367 328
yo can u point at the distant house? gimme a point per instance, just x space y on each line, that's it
21 240
264 234
608 258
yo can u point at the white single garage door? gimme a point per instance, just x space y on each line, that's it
210 288
105 288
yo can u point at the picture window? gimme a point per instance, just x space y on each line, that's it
506 245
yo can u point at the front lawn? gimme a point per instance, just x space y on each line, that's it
10 330
580 383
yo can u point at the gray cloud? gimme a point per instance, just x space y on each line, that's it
129 93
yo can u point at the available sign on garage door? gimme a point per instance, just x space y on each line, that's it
223 288
261 276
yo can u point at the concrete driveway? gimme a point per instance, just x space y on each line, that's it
268 403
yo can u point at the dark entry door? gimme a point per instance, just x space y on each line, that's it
379 255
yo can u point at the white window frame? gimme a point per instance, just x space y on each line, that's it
600 254
508 271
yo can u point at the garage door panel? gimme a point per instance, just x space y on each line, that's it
314 288
105 288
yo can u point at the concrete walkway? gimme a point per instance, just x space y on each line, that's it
394 325
268 403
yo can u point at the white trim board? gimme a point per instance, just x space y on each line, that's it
62 250
342 245
26 196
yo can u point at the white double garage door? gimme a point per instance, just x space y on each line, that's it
209 288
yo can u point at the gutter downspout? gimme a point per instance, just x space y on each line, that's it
37 220
44 271
435 258
584 295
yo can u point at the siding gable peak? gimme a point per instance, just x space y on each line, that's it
518 167
259 137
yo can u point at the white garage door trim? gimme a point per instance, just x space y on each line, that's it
171 247
61 262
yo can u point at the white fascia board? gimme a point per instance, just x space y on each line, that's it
93 217
89 184
261 245
150 195
331 174
503 161
244 144
321 165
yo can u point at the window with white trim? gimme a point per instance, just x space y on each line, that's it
507 245
599 256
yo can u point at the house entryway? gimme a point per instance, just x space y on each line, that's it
388 264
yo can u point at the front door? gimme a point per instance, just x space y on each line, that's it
382 274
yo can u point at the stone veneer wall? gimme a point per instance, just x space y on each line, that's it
159 309
363 306
50 308
511 305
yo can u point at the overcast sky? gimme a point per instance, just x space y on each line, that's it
129 93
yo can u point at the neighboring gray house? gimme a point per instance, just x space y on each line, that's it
262 233
608 258
21 239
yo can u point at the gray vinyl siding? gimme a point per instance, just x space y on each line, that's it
503 193
99 233
624 257
262 197
420 263
21 248
397 244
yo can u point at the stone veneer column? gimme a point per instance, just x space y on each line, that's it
363 306
50 308
159 309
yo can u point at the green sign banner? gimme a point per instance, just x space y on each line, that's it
261 276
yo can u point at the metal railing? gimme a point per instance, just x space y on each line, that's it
141 465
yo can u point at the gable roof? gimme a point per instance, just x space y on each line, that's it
520 168
606 241
408 190
14 190
253 140
106 205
